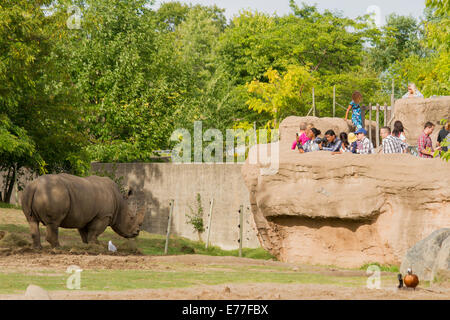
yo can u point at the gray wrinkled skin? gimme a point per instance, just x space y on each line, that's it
88 204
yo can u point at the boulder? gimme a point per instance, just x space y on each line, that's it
36 293
345 210
443 257
415 112
429 256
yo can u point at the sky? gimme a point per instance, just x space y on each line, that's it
350 8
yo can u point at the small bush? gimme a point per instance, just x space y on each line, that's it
196 219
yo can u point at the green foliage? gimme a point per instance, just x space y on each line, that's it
16 147
428 65
39 126
196 218
115 90
280 92
400 37
112 174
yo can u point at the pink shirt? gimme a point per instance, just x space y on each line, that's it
303 139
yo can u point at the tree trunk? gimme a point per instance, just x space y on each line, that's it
10 181
5 186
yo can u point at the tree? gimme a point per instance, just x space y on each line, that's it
327 46
280 92
125 75
17 150
430 72
36 94
400 38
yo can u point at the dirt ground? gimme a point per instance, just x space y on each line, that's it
259 291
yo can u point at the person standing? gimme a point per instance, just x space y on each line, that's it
444 135
425 145
392 144
366 144
356 110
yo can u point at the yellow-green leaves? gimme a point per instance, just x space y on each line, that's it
280 91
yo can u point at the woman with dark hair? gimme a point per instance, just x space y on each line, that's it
314 143
399 131
345 146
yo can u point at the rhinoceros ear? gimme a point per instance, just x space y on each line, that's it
130 192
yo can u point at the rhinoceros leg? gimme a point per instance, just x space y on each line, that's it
35 234
52 235
84 234
96 227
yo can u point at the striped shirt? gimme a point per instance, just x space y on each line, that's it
425 143
393 145
333 146
366 147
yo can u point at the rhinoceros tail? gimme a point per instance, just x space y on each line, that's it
27 199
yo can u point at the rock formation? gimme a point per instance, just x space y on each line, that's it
344 210
415 112
36 293
429 256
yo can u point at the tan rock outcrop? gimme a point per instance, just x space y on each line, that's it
346 210
415 112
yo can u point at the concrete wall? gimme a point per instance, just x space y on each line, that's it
157 183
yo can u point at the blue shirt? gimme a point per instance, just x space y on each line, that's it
333 146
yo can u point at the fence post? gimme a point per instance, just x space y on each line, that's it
241 228
392 101
378 126
370 122
363 116
334 101
314 103
166 248
385 114
209 222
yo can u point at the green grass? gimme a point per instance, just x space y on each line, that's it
4 205
117 280
146 243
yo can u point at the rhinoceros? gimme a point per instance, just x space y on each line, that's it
88 204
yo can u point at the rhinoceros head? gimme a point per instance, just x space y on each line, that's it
129 219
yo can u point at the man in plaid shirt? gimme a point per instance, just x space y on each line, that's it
425 145
366 144
392 144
